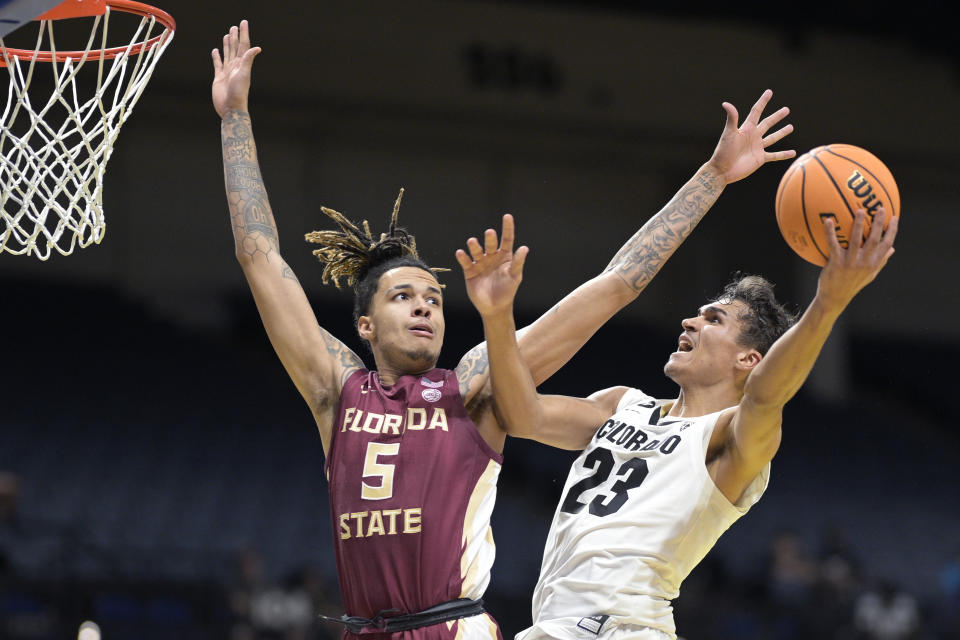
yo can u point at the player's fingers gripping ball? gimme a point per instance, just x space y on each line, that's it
832 181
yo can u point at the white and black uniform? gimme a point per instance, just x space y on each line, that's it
639 511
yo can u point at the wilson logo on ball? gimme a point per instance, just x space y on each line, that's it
832 181
862 189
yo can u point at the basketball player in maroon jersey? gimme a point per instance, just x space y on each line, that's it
413 452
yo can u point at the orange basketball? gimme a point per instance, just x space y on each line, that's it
832 181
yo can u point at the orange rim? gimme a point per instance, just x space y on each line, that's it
126 6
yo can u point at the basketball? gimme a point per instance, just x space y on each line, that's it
832 181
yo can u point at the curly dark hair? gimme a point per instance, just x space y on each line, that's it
353 254
766 319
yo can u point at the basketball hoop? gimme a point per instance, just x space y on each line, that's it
53 154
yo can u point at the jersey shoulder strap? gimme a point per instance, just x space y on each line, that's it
636 397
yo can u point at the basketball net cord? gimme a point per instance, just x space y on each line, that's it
51 177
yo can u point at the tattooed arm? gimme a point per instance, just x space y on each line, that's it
548 343
317 362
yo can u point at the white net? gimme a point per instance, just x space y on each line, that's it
53 153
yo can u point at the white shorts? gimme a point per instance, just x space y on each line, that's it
577 628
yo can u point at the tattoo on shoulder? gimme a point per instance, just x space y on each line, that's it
475 363
347 360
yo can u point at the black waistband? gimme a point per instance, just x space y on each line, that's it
462 608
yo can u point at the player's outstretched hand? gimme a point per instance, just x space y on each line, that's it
850 269
743 149
231 73
493 272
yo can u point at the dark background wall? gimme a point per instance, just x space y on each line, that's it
141 363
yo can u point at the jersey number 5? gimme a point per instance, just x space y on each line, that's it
374 469
600 461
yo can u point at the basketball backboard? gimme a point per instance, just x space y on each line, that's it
16 13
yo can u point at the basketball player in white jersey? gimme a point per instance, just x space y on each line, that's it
659 481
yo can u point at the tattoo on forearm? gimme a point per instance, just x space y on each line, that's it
254 229
642 256
238 145
474 364
289 274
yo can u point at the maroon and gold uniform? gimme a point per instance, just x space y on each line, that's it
412 488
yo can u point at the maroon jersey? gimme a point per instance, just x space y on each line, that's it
412 487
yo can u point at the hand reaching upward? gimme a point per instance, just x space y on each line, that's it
742 149
493 273
231 79
851 268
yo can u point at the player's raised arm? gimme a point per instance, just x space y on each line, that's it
492 274
317 362
755 426
555 337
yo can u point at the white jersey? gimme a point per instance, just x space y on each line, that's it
639 511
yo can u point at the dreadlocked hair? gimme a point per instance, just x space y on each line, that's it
352 254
